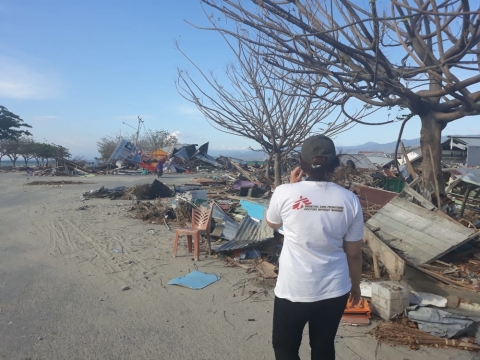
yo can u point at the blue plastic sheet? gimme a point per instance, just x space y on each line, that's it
195 280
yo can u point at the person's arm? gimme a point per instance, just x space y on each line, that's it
352 245
353 249
273 225
272 216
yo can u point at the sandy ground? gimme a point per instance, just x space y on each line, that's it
61 297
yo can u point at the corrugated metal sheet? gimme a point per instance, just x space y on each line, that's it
230 226
360 161
249 234
470 176
380 160
471 141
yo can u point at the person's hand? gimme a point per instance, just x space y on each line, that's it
296 175
355 295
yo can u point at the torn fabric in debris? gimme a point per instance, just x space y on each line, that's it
439 322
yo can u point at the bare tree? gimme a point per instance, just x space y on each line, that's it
421 55
152 140
256 103
149 140
107 144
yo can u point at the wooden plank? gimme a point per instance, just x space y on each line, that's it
444 279
72 164
415 182
428 230
376 268
424 202
422 241
429 206
423 245
242 171
394 264
407 161
435 216
422 235
394 236
422 227
437 188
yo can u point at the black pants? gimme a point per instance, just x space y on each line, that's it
289 319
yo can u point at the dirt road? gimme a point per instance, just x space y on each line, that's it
61 287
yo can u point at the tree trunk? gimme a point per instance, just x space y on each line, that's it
267 166
431 144
277 169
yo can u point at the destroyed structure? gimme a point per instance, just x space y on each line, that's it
421 256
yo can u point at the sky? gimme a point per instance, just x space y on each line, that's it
77 70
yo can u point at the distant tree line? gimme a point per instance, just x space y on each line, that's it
28 149
16 142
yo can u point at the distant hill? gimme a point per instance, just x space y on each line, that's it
373 146
239 154
369 146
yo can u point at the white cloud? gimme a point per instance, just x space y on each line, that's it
21 81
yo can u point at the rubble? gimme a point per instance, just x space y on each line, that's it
403 229
61 182
399 334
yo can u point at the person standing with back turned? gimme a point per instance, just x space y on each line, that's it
321 261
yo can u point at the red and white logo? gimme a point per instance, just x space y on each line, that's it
300 204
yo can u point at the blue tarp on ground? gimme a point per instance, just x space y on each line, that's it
195 280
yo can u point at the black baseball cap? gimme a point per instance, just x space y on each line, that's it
317 145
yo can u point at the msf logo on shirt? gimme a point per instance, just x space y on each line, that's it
300 204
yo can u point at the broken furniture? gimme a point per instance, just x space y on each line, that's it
201 219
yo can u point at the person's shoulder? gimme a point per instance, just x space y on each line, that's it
341 190
282 188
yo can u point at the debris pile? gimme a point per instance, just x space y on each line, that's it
405 234
408 334
148 211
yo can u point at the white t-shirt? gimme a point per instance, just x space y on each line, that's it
317 217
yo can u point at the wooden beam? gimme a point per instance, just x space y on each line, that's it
424 202
73 165
464 202
376 268
394 264
437 189
407 161
242 171
415 182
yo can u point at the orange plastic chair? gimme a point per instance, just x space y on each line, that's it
201 219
